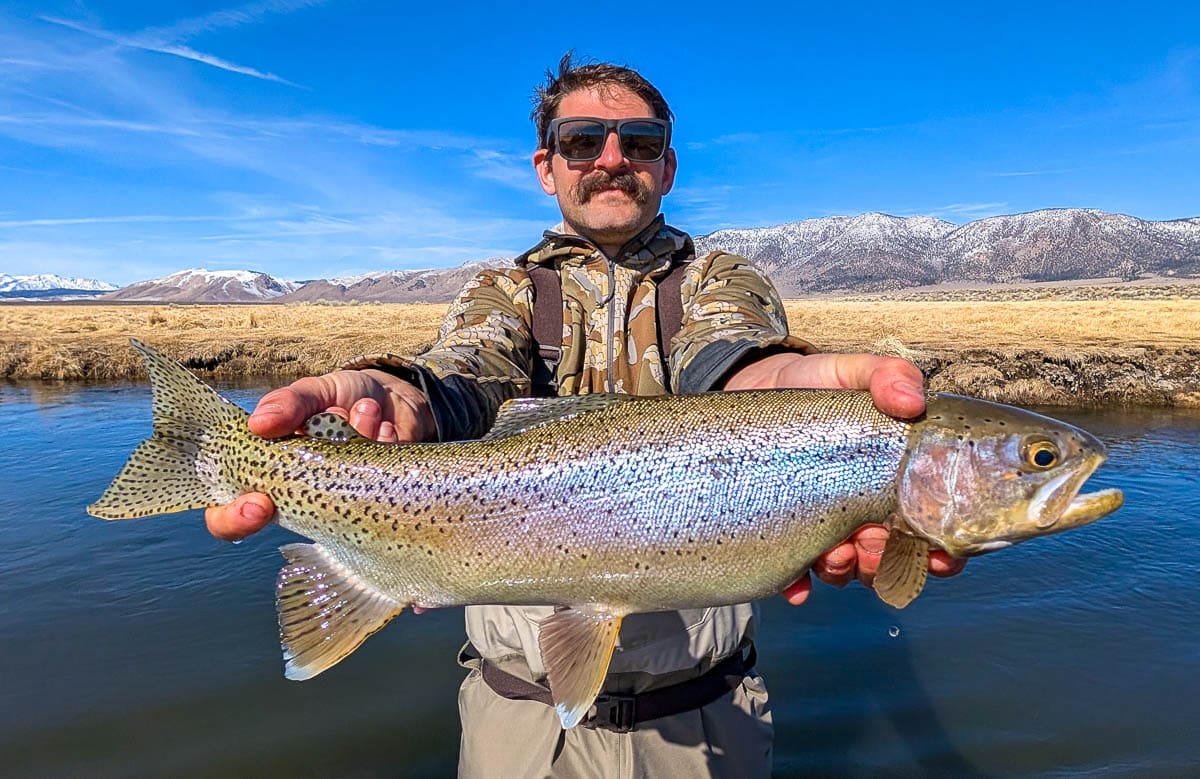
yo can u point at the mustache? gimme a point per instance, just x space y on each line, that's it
600 180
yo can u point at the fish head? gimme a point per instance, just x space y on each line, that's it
981 476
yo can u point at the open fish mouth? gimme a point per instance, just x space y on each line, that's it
1089 507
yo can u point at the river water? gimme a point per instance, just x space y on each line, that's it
147 648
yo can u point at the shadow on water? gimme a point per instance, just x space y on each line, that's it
841 687
870 676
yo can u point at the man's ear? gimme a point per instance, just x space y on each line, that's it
670 164
545 173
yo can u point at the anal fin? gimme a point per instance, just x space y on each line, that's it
903 568
325 610
576 649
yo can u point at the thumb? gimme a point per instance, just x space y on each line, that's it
281 411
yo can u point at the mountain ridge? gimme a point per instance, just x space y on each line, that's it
871 252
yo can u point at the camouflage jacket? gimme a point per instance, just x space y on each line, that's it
484 355
485 351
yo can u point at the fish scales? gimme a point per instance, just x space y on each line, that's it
583 497
607 505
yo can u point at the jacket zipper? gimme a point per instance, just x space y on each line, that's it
612 319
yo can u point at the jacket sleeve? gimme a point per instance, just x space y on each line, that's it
731 309
480 359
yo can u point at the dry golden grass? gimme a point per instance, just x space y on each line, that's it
92 341
1049 325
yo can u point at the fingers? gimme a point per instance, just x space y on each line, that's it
868 546
797 592
942 564
366 416
858 558
837 565
897 387
281 411
234 521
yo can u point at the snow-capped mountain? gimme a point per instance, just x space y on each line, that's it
870 252
198 285
397 286
878 252
50 286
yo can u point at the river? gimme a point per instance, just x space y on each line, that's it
148 648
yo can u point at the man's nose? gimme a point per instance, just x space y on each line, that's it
611 157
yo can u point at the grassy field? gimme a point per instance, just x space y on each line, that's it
839 325
1011 350
92 341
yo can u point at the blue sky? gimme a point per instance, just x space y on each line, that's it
321 139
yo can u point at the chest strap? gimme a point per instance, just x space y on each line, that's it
623 713
548 320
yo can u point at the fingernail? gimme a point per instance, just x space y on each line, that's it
364 407
265 409
871 546
253 512
908 388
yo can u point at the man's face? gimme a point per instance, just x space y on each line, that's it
609 199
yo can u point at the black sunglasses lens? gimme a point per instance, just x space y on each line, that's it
581 140
643 141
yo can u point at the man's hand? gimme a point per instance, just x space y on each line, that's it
896 386
377 405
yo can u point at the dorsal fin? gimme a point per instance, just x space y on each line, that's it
521 414
330 427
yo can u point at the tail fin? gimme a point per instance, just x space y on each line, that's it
167 472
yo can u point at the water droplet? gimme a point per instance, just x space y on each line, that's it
894 631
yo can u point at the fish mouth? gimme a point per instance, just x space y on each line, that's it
1089 507
1047 510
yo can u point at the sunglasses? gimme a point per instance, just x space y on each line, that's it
582 138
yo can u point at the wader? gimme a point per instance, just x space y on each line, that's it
696 722
520 736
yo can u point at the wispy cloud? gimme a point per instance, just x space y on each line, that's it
955 211
23 63
100 220
511 170
167 47
1016 173
252 13
61 121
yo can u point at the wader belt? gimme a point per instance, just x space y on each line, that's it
548 322
621 713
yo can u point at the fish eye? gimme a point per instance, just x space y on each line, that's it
1041 454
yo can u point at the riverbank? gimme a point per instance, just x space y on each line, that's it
1049 351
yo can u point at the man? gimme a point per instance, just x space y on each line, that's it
604 153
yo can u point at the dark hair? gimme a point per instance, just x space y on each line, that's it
606 76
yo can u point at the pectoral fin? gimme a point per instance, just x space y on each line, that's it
325 610
902 569
576 648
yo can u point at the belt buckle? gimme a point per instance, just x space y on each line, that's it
617 713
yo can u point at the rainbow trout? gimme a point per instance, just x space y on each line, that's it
607 505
